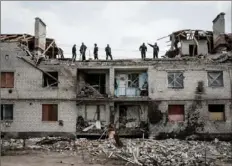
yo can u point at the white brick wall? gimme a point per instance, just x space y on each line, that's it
158 84
29 117
28 85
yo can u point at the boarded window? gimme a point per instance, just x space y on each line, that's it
7 80
175 80
216 112
6 111
133 80
49 81
176 113
215 79
49 112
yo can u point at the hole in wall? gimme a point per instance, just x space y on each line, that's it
10 91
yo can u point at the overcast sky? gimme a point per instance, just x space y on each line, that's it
123 25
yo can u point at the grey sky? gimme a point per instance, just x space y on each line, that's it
123 25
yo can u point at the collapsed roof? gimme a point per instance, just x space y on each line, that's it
217 40
52 50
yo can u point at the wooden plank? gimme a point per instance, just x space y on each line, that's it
48 47
54 112
9 79
3 80
45 109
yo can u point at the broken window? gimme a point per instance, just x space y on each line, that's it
49 81
193 50
122 116
6 111
7 79
49 112
175 80
97 81
215 79
133 80
95 112
216 112
176 113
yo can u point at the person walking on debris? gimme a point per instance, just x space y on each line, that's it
108 52
155 50
74 53
82 51
143 50
95 51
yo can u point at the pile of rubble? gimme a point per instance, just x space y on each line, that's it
136 151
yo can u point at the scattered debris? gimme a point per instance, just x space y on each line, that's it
144 152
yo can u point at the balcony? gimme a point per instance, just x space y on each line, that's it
130 92
92 84
132 84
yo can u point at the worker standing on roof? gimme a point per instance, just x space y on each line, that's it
74 53
155 50
108 52
95 51
82 51
143 50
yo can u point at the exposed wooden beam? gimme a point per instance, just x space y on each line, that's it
30 63
172 42
48 47
163 37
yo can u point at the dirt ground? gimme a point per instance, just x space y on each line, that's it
65 159
54 159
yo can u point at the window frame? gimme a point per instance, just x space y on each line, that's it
215 86
55 84
3 110
174 79
224 113
4 75
48 116
131 84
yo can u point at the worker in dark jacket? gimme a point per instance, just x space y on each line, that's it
143 50
82 51
155 50
74 53
95 51
108 52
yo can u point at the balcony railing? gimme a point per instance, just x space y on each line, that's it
130 91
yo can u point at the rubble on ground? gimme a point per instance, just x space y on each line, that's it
137 151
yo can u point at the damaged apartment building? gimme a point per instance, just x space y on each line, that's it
43 93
